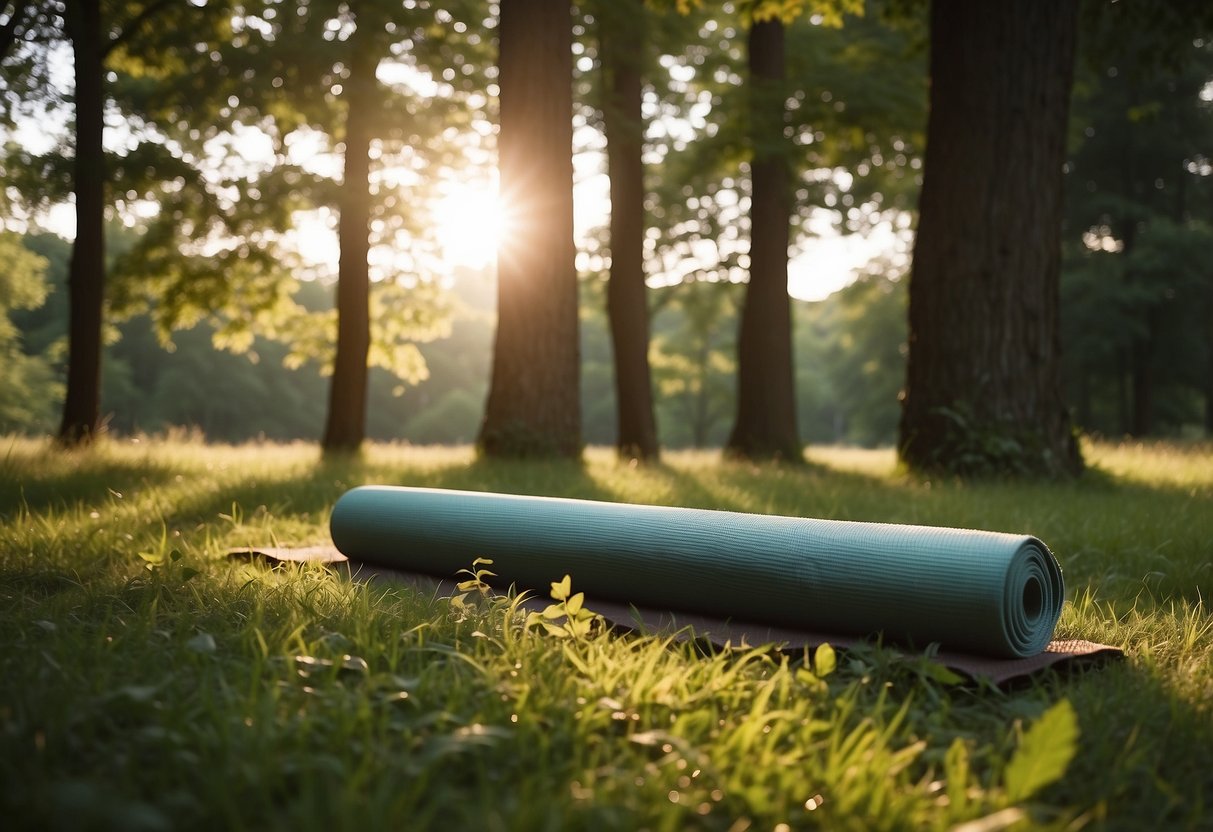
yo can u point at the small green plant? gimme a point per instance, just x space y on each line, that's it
168 565
476 582
825 662
984 447
568 618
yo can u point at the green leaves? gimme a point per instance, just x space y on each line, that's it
577 620
1044 752
825 660
26 378
476 582
561 588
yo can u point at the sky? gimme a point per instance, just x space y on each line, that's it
469 216
469 219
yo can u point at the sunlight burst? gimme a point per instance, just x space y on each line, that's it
470 224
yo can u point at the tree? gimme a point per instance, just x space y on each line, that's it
533 406
622 43
765 426
1136 283
345 426
810 142
865 356
86 276
983 381
693 360
312 76
95 31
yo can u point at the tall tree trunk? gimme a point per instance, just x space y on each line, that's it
621 26
86 271
533 406
983 386
346 425
766 399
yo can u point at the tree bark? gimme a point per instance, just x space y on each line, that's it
345 428
983 385
765 427
533 406
627 303
86 270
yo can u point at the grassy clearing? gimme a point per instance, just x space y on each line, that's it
142 689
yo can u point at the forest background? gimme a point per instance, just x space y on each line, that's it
1137 278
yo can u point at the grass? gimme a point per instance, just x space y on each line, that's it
148 683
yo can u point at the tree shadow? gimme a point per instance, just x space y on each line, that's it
302 502
55 480
1142 743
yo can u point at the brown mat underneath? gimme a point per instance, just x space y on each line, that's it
1061 655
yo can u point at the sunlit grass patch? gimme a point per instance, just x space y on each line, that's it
147 681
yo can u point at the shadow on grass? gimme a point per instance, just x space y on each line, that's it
1142 746
311 496
57 479
1118 536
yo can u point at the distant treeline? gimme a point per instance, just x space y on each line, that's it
1051 161
850 351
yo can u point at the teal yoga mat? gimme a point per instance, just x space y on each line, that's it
981 592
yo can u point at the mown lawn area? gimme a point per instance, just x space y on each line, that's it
147 682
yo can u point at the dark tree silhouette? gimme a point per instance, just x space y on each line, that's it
86 272
622 34
766 401
983 386
346 424
30 35
533 407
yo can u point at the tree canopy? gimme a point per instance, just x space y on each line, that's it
217 169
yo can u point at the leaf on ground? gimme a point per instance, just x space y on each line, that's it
1044 752
824 661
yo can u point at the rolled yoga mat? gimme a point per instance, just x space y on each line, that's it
979 592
